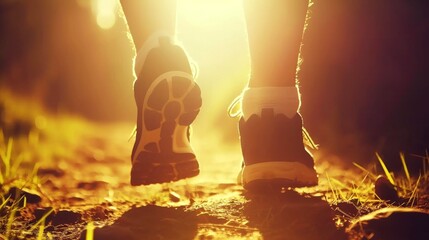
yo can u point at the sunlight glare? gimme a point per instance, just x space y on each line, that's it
105 12
213 32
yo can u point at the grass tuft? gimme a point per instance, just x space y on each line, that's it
372 175
334 192
6 156
13 209
404 165
413 197
41 220
386 171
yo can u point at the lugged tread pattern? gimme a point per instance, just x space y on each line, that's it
180 85
152 119
172 102
159 96
179 102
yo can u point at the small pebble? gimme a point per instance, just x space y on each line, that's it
385 190
30 196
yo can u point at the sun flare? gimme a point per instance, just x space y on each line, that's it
105 12
213 32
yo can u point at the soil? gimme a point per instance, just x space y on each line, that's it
90 184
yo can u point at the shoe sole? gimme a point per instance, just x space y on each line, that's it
274 176
152 173
171 104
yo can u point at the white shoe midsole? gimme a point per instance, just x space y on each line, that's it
294 171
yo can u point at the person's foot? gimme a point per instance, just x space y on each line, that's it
168 100
274 153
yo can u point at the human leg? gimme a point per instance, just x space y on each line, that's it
271 128
146 17
167 98
275 29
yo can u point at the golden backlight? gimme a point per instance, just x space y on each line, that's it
213 32
105 12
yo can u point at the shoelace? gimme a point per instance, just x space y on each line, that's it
233 105
234 110
133 133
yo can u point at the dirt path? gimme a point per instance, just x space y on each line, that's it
91 184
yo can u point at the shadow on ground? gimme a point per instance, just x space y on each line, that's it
150 222
292 216
286 215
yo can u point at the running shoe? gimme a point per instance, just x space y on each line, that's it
274 153
168 100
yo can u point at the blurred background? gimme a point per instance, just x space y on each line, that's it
364 78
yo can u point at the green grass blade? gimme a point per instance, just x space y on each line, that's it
24 204
386 171
6 157
5 201
404 165
366 171
334 194
90 231
41 231
341 194
15 203
14 167
41 220
413 194
10 221
339 183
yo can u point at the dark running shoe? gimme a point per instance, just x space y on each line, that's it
168 100
274 153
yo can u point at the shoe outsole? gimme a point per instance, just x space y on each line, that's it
152 173
170 106
275 176
274 185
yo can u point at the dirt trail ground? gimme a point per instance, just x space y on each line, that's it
87 181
